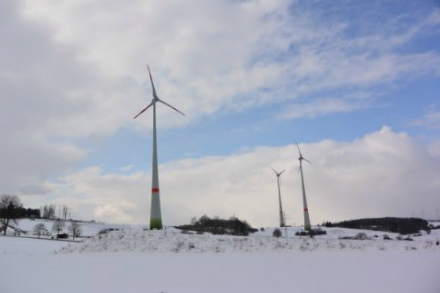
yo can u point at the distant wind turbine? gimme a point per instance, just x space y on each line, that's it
155 215
282 220
307 225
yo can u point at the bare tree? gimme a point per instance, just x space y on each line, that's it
60 212
48 212
10 206
58 226
75 229
39 229
52 212
43 212
65 211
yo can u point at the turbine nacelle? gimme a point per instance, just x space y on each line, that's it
278 174
300 155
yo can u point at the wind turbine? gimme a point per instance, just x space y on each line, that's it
282 221
155 215
307 225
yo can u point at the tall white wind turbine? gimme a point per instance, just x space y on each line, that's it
155 215
282 220
307 225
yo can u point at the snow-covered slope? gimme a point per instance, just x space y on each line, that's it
172 240
134 238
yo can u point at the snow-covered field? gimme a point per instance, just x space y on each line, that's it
157 261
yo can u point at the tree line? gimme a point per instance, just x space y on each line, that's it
232 226
387 224
53 212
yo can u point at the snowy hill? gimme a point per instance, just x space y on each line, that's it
173 240
132 238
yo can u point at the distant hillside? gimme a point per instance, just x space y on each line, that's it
388 224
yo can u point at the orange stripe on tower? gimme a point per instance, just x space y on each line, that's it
155 190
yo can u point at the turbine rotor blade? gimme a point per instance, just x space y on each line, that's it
274 170
170 106
307 161
145 109
282 171
152 83
298 148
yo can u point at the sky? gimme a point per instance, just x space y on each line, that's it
355 83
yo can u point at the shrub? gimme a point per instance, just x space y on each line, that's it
301 233
232 226
361 236
107 230
318 231
277 233
311 233
327 224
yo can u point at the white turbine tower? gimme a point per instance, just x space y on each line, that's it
155 215
282 220
307 225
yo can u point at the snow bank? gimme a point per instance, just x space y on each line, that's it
136 240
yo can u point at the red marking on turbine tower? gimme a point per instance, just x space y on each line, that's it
155 190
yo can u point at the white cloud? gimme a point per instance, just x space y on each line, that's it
381 174
434 148
127 168
323 106
118 213
430 120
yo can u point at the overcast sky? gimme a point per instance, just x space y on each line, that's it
356 83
